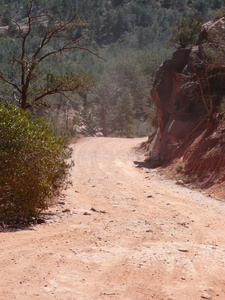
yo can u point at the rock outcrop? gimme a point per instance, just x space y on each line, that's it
189 92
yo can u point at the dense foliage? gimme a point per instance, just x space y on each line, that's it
131 35
32 165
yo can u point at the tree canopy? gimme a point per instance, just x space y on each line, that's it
55 66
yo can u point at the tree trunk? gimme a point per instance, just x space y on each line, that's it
24 99
103 117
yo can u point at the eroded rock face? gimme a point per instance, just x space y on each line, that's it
177 113
183 90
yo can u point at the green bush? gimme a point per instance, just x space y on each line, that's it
32 165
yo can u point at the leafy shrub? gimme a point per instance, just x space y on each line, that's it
186 31
220 13
32 165
179 168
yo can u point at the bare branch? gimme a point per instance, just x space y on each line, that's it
202 94
41 16
4 100
57 90
55 33
68 47
52 29
9 82
19 29
14 58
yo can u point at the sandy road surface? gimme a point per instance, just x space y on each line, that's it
145 237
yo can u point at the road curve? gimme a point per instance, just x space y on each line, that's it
124 233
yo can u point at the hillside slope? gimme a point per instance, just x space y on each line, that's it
189 94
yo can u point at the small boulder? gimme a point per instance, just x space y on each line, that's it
99 134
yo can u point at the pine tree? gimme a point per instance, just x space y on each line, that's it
125 115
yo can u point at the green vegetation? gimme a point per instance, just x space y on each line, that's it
30 88
210 74
185 33
132 33
85 66
32 166
179 168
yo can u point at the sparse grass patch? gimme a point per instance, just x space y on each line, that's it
179 168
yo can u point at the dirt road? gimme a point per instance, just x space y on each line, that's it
125 233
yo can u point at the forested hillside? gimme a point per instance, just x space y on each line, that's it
132 38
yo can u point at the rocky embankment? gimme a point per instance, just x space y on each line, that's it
189 94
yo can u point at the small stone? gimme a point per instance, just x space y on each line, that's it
87 213
93 209
183 278
150 196
73 250
206 296
66 210
183 250
49 221
149 230
61 203
102 211
183 224
180 182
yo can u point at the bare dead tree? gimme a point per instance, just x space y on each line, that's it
29 63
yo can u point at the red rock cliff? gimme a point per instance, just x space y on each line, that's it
189 91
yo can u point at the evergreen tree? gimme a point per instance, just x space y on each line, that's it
124 117
6 17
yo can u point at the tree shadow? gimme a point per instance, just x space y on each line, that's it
5 228
16 227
